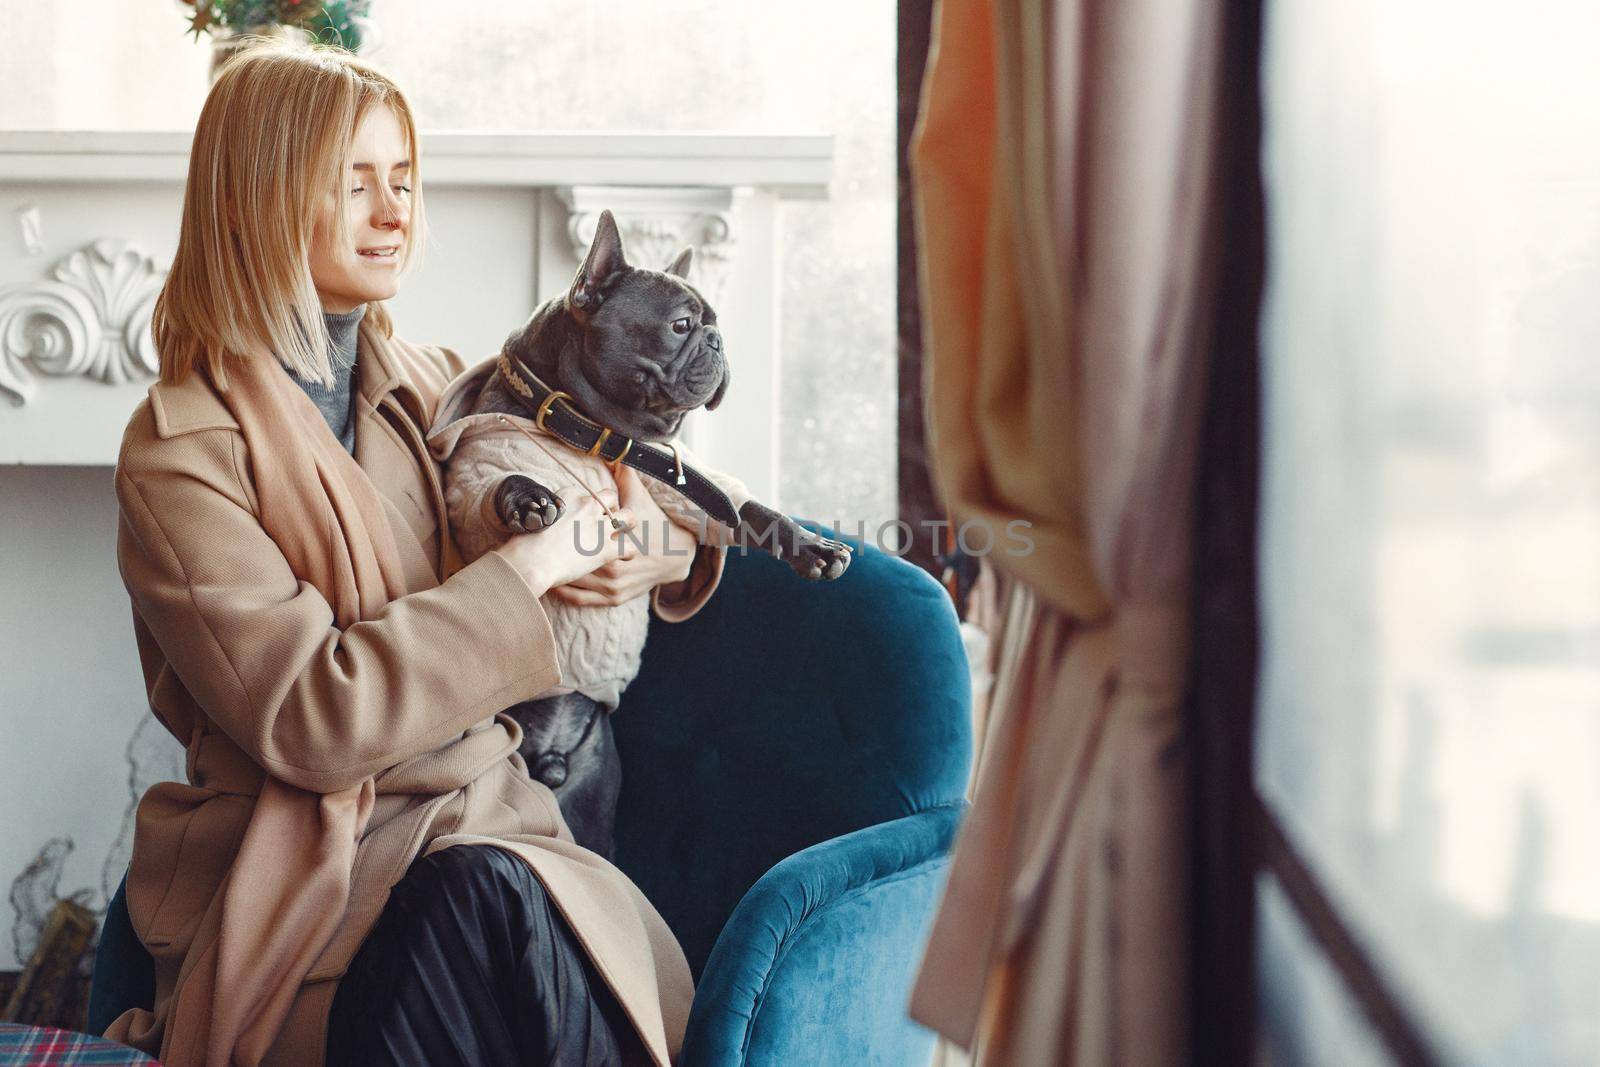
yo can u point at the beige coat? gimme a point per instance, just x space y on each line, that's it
600 646
244 666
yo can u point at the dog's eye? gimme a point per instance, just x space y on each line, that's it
640 376
680 326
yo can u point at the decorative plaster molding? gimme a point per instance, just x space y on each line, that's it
91 318
657 222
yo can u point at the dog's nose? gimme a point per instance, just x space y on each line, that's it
551 769
714 338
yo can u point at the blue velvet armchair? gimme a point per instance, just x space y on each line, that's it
794 763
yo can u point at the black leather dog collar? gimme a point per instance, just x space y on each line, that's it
555 415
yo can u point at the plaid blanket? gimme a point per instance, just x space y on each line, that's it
35 1046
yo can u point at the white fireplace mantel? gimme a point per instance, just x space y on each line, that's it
790 164
89 222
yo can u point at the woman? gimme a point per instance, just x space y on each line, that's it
359 866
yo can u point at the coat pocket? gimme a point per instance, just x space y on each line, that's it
184 842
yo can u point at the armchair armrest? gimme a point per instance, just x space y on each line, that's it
815 965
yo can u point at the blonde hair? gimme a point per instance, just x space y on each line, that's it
273 139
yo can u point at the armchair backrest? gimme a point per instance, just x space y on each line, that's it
783 714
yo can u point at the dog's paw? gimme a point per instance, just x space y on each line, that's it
526 506
820 559
534 515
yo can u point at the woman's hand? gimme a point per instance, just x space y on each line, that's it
574 545
667 556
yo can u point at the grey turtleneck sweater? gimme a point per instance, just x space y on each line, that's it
337 404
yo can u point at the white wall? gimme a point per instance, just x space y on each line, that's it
64 769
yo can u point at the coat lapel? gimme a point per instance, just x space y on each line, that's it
390 449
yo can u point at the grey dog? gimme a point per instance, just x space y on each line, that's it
634 350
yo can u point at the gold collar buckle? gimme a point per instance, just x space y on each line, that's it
545 405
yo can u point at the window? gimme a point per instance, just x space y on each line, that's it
1430 540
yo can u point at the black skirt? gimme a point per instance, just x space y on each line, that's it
469 965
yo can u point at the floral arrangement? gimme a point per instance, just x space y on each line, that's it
336 22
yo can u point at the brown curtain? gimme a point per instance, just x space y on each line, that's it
1062 170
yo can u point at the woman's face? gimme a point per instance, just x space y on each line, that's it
376 200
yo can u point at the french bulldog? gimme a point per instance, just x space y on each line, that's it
635 350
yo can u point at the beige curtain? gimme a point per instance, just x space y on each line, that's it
1062 170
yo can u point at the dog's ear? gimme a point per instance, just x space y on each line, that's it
680 264
603 261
